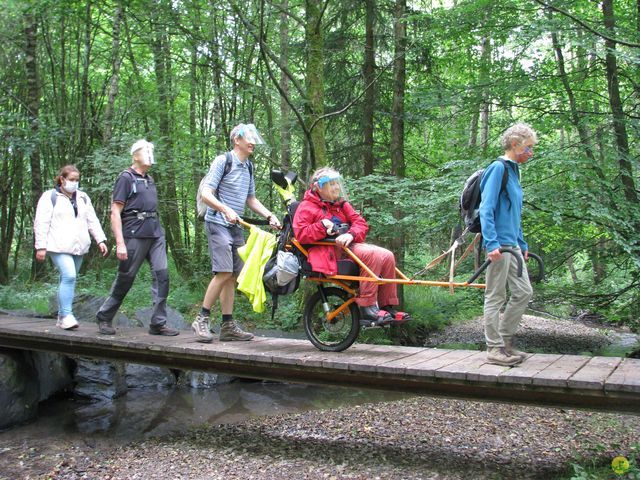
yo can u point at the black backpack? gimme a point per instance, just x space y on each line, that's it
470 198
271 268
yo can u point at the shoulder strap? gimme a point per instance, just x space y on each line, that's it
505 179
134 187
54 197
228 160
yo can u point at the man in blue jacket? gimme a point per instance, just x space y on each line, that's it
500 219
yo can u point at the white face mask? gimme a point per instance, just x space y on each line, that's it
70 186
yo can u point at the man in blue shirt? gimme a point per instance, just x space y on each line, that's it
500 219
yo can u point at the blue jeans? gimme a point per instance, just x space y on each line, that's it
68 265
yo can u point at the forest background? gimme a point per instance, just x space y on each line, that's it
405 98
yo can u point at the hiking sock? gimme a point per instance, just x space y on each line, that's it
227 318
205 312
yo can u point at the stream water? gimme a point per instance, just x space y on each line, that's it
145 413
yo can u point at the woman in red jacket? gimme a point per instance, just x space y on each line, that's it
325 212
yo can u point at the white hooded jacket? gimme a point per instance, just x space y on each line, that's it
57 229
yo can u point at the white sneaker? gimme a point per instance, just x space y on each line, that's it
68 322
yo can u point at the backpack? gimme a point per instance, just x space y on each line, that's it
134 181
201 207
282 271
470 198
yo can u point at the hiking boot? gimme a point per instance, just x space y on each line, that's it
163 330
511 350
498 356
68 322
230 332
200 327
105 328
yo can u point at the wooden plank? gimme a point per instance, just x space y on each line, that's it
458 370
558 373
288 350
341 360
625 378
524 372
17 322
488 373
429 367
594 373
400 365
376 355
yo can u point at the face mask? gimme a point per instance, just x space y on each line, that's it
147 155
70 186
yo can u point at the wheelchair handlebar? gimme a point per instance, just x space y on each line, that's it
484 266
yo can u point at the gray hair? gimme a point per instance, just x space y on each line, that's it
320 173
519 133
234 132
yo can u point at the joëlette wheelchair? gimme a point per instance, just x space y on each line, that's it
332 319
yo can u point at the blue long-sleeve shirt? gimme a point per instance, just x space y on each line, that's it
501 217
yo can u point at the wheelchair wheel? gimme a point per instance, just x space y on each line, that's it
341 332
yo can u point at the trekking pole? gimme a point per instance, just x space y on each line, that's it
487 262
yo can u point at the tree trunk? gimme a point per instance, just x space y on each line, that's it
615 101
33 112
315 81
83 142
285 110
369 66
115 75
576 120
398 165
485 65
399 81
168 203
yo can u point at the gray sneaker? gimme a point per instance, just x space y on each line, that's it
230 332
200 327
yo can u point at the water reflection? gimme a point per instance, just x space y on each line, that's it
146 413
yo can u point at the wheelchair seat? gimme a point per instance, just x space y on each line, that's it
346 266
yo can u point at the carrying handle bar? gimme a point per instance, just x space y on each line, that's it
484 266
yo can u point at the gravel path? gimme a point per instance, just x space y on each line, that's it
535 334
417 438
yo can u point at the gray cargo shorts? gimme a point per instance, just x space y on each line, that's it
223 247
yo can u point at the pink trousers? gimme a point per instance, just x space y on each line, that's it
382 262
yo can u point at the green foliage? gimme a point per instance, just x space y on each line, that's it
188 71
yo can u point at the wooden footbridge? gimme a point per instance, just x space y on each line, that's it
600 383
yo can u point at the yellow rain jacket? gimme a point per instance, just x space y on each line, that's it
255 254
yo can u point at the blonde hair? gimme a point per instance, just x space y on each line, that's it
519 133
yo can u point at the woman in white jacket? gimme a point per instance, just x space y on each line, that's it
64 219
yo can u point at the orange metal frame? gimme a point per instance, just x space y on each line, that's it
341 280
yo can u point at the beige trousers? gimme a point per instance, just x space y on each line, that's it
499 275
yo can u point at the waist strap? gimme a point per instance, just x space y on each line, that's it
140 215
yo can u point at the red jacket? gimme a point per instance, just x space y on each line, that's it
308 228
